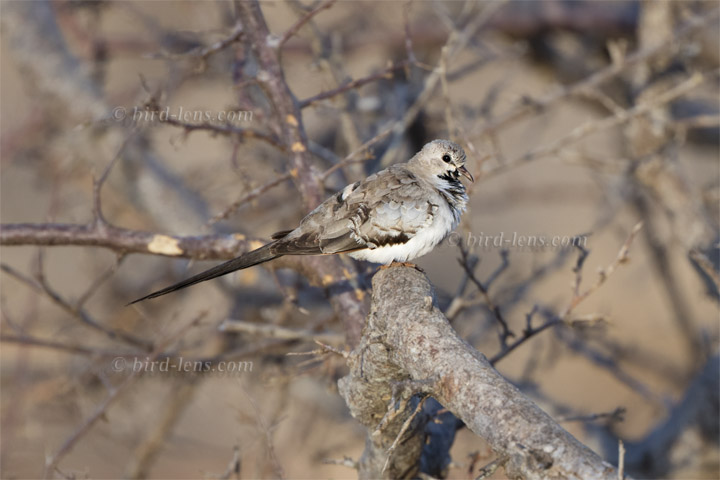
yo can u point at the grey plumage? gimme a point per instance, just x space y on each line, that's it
394 215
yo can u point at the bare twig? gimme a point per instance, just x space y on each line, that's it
528 333
449 117
40 286
586 129
403 430
346 302
99 182
706 265
355 84
234 35
146 452
578 297
98 282
64 346
504 265
690 27
622 257
350 158
609 364
408 36
53 461
617 415
331 349
456 41
266 430
299 24
233 466
248 197
276 331
226 130
204 53
253 194
345 462
490 468
505 332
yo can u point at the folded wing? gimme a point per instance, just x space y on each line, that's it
387 208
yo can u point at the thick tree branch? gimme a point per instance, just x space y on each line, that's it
408 340
199 247
122 240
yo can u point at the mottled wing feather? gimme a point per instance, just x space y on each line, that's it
385 209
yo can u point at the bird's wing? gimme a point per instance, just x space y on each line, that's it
387 208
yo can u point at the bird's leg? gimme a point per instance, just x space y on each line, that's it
405 264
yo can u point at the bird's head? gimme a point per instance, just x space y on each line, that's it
441 158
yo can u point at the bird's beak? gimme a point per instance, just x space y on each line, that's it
464 172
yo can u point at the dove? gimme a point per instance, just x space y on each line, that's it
395 215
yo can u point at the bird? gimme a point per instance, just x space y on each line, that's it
395 215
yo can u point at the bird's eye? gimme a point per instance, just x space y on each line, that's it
446 158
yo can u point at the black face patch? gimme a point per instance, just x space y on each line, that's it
450 176
455 191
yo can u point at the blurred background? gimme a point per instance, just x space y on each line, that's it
580 120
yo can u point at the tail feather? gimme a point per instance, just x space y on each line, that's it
260 255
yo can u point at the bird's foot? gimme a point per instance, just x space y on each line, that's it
403 264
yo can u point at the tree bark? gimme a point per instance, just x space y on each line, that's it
408 340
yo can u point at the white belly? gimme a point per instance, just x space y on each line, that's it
423 241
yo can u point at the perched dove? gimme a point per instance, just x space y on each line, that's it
395 215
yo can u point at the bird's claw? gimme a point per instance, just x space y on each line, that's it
403 264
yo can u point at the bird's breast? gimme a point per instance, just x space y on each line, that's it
424 240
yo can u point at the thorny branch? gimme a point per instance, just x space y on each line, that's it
204 52
505 332
288 136
586 129
564 316
622 257
355 84
40 285
227 130
692 26
53 461
299 24
289 126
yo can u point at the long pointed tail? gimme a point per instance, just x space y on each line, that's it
262 254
